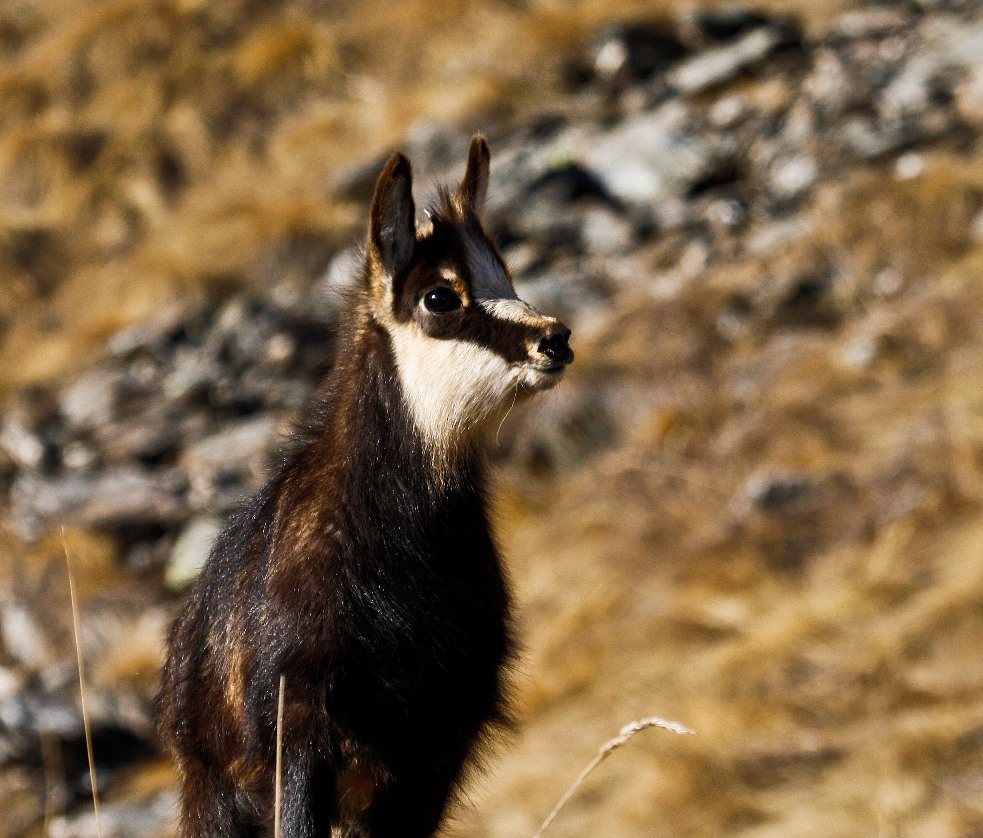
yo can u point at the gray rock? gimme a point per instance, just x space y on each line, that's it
237 333
433 146
522 256
950 49
778 493
119 710
77 456
191 375
909 93
954 43
154 433
674 213
719 65
131 496
138 819
355 181
726 213
566 291
833 88
863 138
875 21
650 155
341 275
238 446
606 233
150 336
633 52
24 638
727 112
20 443
190 552
122 496
36 500
725 23
236 454
793 176
969 96
33 713
11 682
555 224
91 399
278 351
909 166
770 238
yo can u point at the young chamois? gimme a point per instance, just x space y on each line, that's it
365 571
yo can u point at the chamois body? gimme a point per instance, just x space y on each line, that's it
365 571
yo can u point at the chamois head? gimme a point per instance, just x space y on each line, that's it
465 346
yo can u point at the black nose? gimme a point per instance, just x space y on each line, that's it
556 346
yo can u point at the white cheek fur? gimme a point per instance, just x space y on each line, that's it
452 387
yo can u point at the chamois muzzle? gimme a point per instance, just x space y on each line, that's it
555 345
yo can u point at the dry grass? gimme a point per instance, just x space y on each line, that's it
278 790
608 748
77 626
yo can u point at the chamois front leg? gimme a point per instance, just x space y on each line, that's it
307 788
210 806
308 781
307 806
412 805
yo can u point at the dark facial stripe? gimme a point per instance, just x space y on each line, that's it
445 251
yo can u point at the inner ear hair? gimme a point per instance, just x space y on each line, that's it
392 219
474 187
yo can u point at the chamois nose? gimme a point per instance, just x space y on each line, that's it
556 345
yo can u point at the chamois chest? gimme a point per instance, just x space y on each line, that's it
426 602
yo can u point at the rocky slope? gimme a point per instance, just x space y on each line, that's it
754 506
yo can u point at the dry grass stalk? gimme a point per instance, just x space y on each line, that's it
76 623
51 761
277 791
603 753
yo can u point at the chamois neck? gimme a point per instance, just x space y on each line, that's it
372 430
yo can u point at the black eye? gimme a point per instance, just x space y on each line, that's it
441 301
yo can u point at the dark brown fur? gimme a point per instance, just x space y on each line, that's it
366 578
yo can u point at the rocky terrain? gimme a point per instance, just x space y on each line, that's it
754 507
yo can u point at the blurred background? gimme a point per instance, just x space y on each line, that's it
755 506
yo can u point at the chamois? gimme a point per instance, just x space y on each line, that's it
365 571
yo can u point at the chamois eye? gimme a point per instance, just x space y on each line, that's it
441 301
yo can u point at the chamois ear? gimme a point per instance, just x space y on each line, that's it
474 186
392 220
